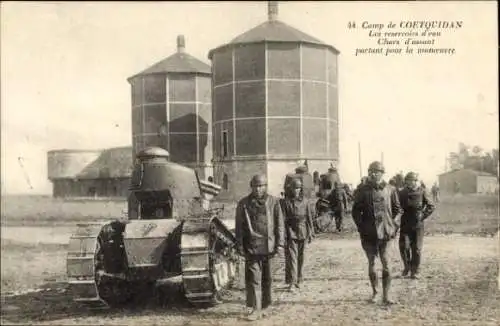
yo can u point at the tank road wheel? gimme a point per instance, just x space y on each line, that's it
206 260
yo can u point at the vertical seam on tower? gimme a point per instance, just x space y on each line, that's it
327 79
301 142
197 112
167 104
337 106
143 99
234 101
266 96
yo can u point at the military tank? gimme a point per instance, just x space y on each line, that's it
173 230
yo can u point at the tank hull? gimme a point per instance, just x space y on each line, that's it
106 267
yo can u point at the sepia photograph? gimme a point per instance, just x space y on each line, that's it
255 162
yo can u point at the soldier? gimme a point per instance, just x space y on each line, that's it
376 213
338 205
299 214
435 193
361 183
259 235
417 206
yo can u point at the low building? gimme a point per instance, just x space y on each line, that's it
90 173
467 181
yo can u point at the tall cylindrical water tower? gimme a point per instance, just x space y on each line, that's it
275 104
172 109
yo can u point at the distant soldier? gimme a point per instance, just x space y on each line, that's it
338 205
259 235
376 212
299 214
363 181
307 181
417 206
435 192
348 192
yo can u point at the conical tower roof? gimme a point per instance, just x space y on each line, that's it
273 30
179 62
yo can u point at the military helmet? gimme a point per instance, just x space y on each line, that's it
258 180
411 176
296 183
301 169
376 166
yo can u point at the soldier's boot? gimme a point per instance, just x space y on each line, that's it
406 270
374 284
415 265
386 285
255 314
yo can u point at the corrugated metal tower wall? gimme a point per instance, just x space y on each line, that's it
172 109
275 105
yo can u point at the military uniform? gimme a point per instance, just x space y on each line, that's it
299 214
338 205
259 233
435 193
417 206
376 212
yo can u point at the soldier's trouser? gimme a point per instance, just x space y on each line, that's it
294 260
410 247
339 218
374 248
258 281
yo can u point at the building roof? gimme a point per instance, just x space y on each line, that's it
112 163
478 173
179 62
273 30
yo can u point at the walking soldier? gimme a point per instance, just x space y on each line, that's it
377 212
299 213
417 206
260 235
435 193
338 204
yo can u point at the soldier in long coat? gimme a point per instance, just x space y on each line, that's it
417 207
299 213
377 213
260 235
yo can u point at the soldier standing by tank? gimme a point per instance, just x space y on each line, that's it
377 212
417 206
338 204
259 235
299 214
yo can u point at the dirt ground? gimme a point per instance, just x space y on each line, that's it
458 287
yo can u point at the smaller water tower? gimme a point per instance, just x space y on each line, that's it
172 109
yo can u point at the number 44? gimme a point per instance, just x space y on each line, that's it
351 24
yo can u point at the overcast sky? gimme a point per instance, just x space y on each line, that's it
64 68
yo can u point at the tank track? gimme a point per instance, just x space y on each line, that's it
81 265
208 262
208 258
